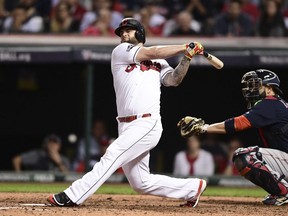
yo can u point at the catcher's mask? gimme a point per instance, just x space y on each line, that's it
253 80
135 24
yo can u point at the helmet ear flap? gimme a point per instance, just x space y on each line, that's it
140 35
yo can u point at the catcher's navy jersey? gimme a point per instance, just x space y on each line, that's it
270 117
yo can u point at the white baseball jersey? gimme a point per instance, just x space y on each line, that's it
137 85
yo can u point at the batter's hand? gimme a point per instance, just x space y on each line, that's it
189 126
194 48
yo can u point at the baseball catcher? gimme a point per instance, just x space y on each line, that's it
265 165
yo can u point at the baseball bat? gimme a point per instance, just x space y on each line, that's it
216 62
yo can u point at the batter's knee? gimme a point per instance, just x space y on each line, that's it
139 189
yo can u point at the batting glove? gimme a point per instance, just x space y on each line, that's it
194 48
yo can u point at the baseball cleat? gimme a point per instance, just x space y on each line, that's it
281 200
192 202
269 199
275 200
60 200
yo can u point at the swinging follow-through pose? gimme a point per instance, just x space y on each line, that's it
138 73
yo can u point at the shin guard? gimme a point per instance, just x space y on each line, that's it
252 167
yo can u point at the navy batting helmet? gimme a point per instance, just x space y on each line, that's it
253 80
135 24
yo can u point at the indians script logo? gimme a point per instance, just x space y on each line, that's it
145 66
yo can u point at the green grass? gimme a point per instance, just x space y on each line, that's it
126 189
56 187
235 191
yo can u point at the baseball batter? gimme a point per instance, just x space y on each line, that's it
138 73
265 166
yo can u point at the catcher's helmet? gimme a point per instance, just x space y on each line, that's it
253 80
135 24
268 77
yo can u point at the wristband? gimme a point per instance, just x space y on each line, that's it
187 51
204 128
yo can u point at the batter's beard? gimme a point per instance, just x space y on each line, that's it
130 40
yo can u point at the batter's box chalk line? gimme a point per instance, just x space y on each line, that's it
21 206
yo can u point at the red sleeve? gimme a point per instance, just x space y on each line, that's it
241 123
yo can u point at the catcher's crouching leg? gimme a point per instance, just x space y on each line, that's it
249 163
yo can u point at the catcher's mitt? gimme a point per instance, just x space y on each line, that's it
189 126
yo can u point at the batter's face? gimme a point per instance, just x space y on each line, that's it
128 35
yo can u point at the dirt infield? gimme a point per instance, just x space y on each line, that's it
27 204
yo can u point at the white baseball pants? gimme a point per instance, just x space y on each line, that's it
131 152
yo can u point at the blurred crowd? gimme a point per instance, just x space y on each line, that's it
161 18
206 155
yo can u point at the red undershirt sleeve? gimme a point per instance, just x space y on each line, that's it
237 124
